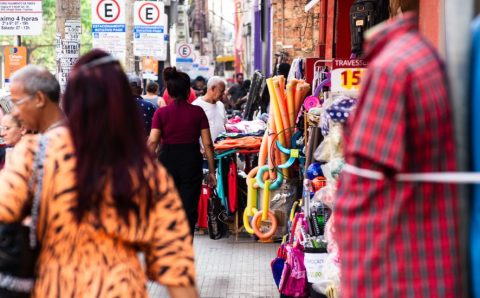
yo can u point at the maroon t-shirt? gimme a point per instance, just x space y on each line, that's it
180 123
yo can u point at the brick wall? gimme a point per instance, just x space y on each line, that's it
293 27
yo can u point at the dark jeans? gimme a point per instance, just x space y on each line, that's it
184 163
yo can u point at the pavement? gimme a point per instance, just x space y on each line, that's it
230 268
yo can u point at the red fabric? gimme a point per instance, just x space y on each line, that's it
399 239
232 187
180 123
168 100
203 207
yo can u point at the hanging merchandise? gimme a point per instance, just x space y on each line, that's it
217 217
254 95
232 186
316 251
276 177
364 14
205 193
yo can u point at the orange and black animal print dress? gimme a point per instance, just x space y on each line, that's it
96 258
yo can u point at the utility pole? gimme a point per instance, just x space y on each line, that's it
130 57
67 37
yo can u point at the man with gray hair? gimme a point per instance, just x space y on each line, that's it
35 97
213 106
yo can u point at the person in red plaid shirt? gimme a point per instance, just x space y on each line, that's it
399 239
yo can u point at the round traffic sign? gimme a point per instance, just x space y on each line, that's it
184 51
108 10
149 13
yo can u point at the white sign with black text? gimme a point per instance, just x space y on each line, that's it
108 27
21 17
148 29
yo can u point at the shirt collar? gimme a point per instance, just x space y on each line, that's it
380 35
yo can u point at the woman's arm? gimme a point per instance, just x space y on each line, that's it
168 252
182 292
154 140
208 147
14 180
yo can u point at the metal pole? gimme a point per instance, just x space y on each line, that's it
130 57
18 40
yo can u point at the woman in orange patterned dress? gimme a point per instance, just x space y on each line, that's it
104 197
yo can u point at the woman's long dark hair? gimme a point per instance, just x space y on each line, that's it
108 136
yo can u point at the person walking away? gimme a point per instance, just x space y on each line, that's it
104 197
11 131
180 126
212 104
152 95
399 239
146 108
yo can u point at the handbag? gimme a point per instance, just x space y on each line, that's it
293 281
18 243
217 217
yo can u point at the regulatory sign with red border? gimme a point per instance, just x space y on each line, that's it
143 16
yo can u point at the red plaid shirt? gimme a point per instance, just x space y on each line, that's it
399 239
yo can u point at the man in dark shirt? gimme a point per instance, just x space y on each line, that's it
147 109
238 90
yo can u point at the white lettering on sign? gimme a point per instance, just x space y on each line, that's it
350 63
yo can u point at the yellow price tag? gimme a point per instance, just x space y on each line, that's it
294 153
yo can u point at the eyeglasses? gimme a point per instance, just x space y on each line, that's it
20 101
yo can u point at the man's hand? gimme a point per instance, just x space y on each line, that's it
212 180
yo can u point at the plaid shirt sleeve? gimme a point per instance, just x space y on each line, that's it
378 129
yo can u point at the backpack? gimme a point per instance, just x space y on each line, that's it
365 14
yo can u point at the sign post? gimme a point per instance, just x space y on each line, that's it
108 27
21 17
149 29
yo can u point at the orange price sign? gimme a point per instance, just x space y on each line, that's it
347 79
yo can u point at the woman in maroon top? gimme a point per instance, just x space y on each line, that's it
179 127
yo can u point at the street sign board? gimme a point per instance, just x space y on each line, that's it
21 17
148 29
15 58
108 27
347 75
184 56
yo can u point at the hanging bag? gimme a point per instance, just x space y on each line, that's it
365 14
293 282
217 217
18 243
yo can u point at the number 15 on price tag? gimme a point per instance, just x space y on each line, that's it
347 80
